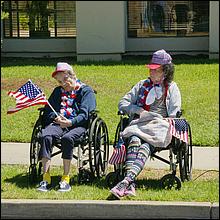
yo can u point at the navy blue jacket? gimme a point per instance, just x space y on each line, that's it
86 102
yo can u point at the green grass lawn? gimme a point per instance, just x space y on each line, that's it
197 78
14 185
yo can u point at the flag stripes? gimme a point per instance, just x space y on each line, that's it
27 95
118 155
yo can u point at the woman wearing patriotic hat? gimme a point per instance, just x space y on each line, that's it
149 101
68 118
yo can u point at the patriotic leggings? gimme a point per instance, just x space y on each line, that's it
137 155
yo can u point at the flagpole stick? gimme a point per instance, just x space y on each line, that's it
52 108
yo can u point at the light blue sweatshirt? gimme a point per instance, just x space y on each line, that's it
128 103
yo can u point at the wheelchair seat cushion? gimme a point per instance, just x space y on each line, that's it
150 127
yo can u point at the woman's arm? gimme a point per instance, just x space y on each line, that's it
128 103
88 103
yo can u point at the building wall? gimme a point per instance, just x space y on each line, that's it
100 29
102 35
176 45
214 30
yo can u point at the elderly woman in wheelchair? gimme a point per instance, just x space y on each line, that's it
72 100
149 106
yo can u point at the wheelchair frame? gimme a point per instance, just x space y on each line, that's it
92 149
180 154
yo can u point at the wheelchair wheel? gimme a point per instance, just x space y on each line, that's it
170 181
35 166
98 148
117 134
120 127
189 156
185 159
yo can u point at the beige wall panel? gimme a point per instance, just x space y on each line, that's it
100 27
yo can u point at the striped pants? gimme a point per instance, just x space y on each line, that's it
137 155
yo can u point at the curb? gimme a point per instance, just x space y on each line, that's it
98 209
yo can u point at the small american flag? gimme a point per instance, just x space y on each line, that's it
119 153
179 128
28 95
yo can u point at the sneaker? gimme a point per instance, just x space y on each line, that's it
130 191
64 186
119 189
43 186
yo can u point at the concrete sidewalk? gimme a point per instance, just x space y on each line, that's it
204 158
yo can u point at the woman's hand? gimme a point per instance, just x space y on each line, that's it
143 112
63 122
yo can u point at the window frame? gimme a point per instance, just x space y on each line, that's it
18 13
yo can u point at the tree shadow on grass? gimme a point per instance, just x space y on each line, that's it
20 180
153 184
126 59
23 180
140 183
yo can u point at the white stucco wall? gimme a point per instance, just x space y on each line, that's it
38 47
100 29
214 30
178 45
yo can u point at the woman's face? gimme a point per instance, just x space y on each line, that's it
65 81
157 75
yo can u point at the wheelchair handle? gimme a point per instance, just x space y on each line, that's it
93 113
179 113
121 113
41 110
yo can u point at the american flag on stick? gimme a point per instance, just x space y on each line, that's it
27 95
179 128
119 153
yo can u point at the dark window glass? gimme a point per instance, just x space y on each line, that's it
39 19
168 18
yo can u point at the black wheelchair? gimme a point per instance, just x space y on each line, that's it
180 155
92 150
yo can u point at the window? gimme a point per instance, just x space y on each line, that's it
40 19
168 18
